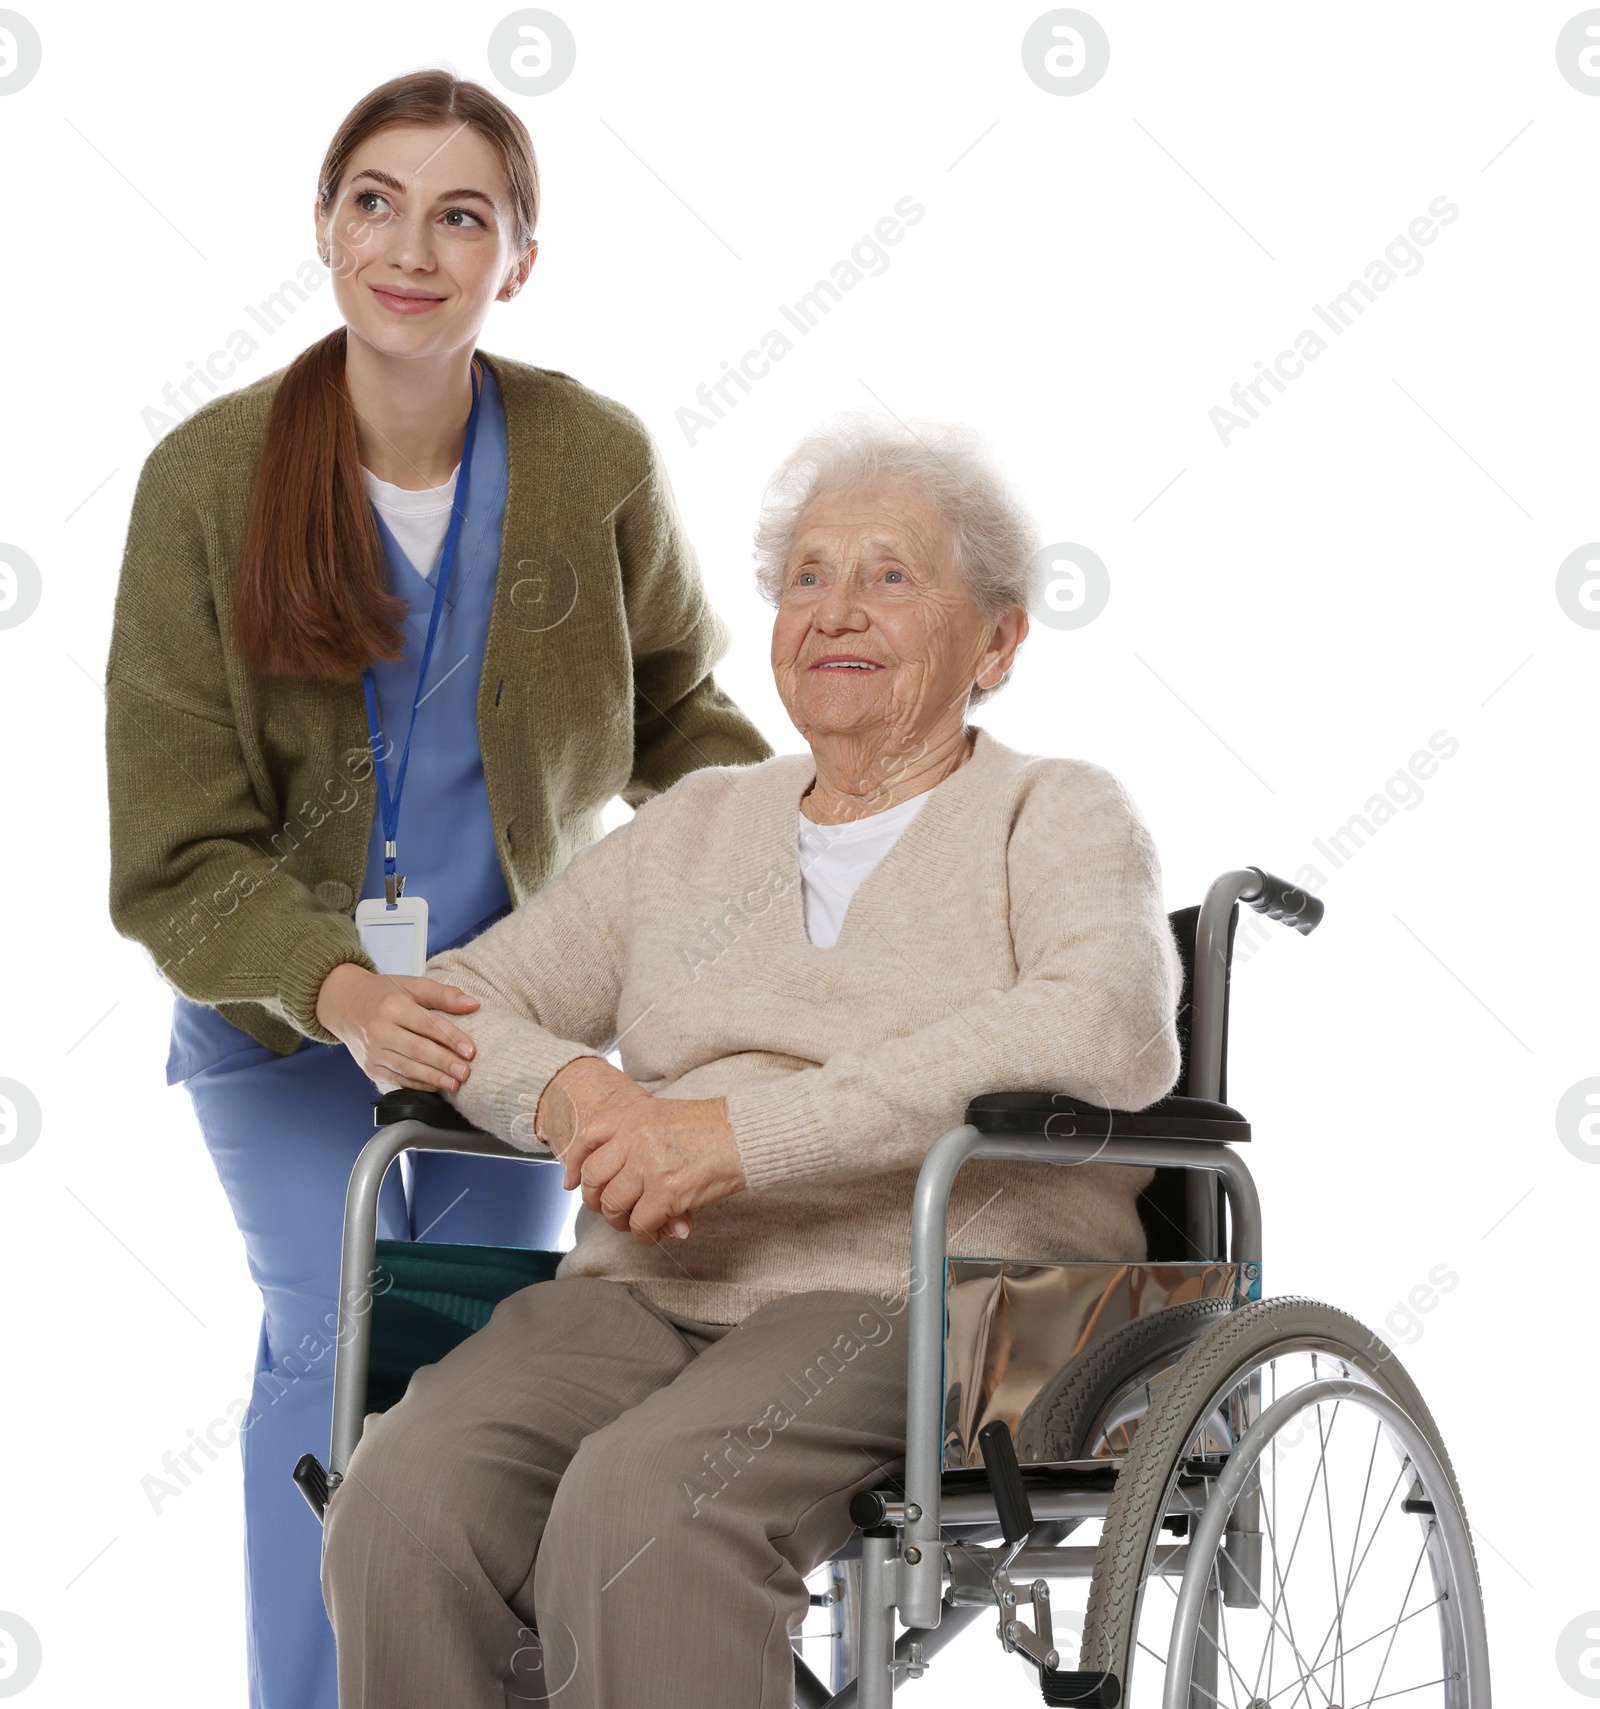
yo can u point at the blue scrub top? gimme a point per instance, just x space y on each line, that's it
446 843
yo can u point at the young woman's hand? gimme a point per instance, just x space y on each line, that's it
396 1028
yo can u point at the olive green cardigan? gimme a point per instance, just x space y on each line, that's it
242 805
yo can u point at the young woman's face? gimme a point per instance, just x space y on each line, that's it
420 239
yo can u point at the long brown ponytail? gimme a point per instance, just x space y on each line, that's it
311 597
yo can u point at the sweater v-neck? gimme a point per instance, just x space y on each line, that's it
944 799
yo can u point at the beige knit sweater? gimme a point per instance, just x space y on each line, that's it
1013 938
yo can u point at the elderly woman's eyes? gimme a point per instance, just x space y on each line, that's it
806 578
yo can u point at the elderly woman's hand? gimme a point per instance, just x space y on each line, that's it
587 1085
647 1163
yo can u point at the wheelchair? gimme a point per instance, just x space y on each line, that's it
1246 1496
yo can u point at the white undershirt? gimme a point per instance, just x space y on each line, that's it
418 520
835 860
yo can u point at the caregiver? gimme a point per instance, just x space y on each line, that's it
470 570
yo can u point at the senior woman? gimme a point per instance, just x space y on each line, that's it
613 1492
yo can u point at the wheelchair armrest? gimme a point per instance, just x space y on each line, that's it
430 1108
1057 1116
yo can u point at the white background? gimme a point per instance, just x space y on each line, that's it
1372 561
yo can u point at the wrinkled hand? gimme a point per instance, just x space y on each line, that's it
586 1086
395 1026
576 1097
646 1164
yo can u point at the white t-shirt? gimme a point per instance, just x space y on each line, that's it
835 860
418 520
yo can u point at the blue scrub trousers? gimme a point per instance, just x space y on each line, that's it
284 1133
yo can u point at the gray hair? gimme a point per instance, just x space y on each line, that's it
992 537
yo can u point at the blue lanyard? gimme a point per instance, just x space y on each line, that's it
389 800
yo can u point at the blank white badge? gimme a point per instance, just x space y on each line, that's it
396 938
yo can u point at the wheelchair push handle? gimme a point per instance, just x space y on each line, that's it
1278 899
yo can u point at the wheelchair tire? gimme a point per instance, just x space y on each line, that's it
1059 1422
1178 1464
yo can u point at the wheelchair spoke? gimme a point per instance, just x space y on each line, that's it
1309 1673
1333 1553
1277 1627
1272 1636
1336 1624
1227 1654
1216 1584
1361 1512
1383 1513
1384 1666
1405 1690
1192 1686
1305 1513
1280 1595
1351 1649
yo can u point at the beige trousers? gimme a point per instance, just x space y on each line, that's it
602 1505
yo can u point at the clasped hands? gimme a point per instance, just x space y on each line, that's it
646 1164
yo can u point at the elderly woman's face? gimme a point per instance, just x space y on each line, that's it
876 631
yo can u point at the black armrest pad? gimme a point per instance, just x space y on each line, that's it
404 1105
1056 1115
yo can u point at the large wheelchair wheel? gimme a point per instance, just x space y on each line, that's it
1328 1559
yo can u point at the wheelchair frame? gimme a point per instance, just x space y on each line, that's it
903 1565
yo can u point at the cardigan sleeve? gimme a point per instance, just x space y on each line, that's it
682 720
1092 1012
548 979
193 876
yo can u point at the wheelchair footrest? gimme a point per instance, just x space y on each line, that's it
312 1481
1082 1690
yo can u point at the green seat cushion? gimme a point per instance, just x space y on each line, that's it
429 1297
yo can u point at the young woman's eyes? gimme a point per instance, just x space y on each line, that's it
365 197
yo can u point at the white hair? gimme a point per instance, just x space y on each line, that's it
992 537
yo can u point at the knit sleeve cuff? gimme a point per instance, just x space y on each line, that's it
302 974
781 1134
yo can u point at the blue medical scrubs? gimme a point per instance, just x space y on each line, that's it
285 1131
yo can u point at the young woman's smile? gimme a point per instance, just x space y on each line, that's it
405 299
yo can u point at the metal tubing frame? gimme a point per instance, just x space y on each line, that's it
353 1352
921 1577
1208 1001
874 1680
1208 1010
